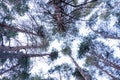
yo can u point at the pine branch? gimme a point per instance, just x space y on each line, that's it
8 27
105 35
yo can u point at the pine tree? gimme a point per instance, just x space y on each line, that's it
41 23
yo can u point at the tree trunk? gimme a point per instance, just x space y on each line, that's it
79 69
68 76
20 55
60 75
113 77
107 62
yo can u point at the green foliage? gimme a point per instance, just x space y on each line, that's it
5 78
76 14
74 30
11 34
9 17
118 17
66 67
84 47
4 7
41 31
109 5
1 38
61 30
21 9
105 16
11 1
37 77
88 61
63 68
77 74
54 55
24 62
8 33
66 50
75 2
54 31
2 61
44 44
20 6
23 75
82 12
56 68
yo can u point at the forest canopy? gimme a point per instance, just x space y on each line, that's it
59 39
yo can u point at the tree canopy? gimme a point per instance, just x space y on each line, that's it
84 32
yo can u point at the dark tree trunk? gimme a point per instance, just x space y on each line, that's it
20 55
79 69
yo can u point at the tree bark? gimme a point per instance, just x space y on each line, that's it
113 77
17 48
105 35
107 62
68 76
79 69
20 55
16 29
60 75
58 15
